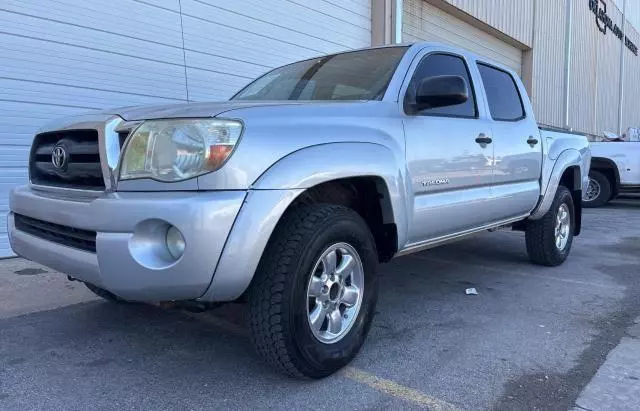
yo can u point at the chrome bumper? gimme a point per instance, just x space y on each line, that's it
126 261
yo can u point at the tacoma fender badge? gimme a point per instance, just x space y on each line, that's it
435 182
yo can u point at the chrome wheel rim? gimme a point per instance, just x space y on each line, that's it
334 293
593 190
563 225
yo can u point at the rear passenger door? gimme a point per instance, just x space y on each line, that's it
516 145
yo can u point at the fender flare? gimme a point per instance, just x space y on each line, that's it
279 186
319 164
566 159
611 164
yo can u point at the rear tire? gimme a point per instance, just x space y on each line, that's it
549 239
303 248
599 191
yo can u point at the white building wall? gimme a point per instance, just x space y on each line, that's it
423 21
62 57
513 18
631 101
548 60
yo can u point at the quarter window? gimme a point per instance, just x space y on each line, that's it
443 65
505 103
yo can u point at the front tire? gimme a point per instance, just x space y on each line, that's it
315 290
549 239
599 191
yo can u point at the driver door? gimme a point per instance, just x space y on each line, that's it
449 156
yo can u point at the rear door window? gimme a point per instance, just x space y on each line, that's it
505 102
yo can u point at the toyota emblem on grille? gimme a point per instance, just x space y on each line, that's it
59 157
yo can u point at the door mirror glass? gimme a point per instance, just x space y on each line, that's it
441 91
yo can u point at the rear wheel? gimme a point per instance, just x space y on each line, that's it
314 295
599 191
549 239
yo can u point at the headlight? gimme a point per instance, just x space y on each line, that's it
174 150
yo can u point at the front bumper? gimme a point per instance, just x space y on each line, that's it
126 260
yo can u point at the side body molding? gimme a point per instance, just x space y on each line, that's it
279 186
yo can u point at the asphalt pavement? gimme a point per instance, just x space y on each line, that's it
533 337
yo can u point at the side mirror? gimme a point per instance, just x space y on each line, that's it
441 91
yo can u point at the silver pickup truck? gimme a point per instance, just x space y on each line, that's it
290 194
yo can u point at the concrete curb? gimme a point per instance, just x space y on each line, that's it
616 385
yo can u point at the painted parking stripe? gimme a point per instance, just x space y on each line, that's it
396 390
385 386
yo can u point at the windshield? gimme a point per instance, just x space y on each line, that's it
356 75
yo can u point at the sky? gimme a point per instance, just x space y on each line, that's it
633 11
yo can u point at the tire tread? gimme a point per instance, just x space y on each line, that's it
540 248
269 287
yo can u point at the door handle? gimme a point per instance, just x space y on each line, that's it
532 141
483 139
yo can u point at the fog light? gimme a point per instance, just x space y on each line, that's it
175 242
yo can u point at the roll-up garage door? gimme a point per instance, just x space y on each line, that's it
62 57
425 22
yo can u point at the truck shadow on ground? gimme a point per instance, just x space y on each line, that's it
91 338
425 322
626 202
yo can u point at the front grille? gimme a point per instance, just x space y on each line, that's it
77 164
60 234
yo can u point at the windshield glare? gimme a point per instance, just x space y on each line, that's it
357 75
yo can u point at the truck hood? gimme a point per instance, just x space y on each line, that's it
192 110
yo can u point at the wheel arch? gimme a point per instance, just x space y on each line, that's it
369 197
338 163
568 171
610 170
571 178
314 174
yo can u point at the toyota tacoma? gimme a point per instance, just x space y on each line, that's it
290 194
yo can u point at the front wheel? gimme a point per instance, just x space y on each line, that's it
314 295
549 239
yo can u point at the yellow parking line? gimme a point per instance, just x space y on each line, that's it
379 384
396 390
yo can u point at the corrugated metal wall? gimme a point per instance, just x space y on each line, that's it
512 17
583 87
422 21
631 103
549 62
594 74
541 24
608 74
